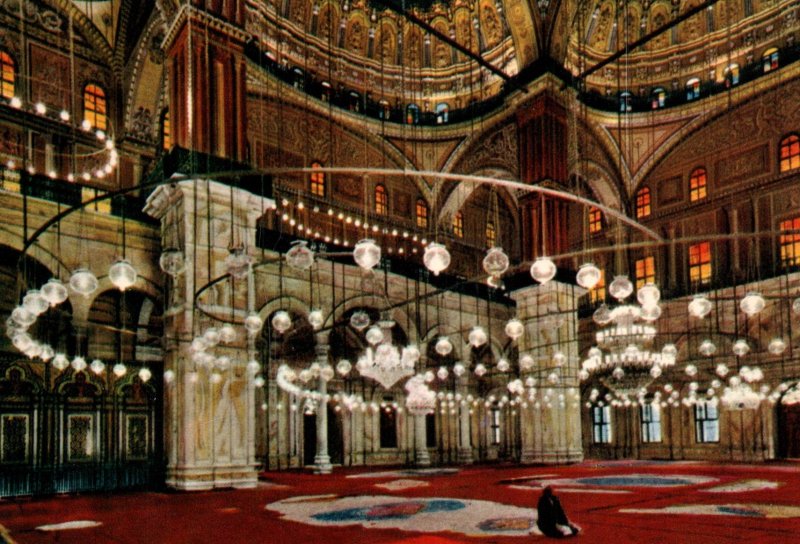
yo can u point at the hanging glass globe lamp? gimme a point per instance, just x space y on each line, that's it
54 291
281 321
588 276
253 323
621 288
443 346
514 328
367 254
752 303
543 269
34 302
316 319
496 262
83 282
227 334
436 258
700 306
374 335
477 336
122 274
172 262
300 256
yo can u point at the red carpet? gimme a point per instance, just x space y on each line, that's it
707 503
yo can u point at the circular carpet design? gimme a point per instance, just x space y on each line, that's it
424 515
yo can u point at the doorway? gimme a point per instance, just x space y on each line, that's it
335 440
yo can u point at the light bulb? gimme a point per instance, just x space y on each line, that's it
740 347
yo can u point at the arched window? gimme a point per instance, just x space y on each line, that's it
412 114
769 59
598 292
625 102
422 214
299 79
595 220
95 112
700 264
645 271
325 94
693 89
8 75
790 242
354 101
384 110
381 200
491 234
442 113
643 202
317 181
732 75
166 132
698 182
458 225
658 97
790 152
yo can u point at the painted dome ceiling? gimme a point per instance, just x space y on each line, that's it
361 36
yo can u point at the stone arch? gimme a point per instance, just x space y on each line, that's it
601 182
147 91
123 325
398 315
462 191
88 29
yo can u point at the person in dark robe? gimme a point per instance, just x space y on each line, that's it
552 520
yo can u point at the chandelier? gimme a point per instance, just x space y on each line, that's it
386 363
623 357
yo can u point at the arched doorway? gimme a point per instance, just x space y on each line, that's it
789 424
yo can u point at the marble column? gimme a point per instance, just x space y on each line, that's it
322 461
550 429
421 456
464 430
209 413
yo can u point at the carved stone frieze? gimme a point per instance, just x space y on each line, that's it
497 149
